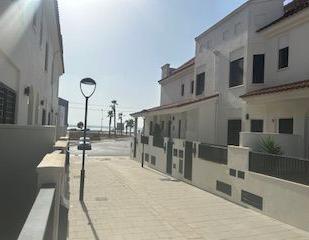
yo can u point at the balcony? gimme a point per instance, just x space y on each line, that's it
291 145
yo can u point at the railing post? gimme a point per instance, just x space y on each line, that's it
238 157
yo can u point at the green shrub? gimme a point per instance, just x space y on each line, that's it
268 145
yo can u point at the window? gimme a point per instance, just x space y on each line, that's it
286 126
46 57
258 68
257 125
200 83
150 128
192 87
182 89
49 119
175 152
236 72
7 105
181 153
283 58
43 117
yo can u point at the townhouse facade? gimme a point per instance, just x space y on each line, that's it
248 78
248 81
31 62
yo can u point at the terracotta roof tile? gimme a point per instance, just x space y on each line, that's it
175 105
278 88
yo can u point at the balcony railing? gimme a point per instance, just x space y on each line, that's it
287 168
213 153
144 139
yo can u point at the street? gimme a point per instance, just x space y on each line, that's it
106 147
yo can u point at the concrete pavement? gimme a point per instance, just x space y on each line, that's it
124 201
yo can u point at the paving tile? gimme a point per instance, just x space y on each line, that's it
125 202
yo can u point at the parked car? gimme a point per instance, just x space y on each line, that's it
81 145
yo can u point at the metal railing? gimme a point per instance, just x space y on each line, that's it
213 153
145 140
287 168
39 224
158 141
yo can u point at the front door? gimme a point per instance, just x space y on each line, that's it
233 130
169 157
188 161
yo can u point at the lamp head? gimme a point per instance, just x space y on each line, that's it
87 87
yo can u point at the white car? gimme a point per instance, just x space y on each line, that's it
81 144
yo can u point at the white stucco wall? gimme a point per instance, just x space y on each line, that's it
22 58
278 195
171 87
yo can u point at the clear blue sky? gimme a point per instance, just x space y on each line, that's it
123 43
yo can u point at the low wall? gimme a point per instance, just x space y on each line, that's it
93 135
61 132
292 145
277 198
22 148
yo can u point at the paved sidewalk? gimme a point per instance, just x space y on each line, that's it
124 201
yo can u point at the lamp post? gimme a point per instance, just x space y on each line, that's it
87 87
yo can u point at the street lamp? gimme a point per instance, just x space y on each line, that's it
87 87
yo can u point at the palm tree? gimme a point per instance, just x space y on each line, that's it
110 116
113 106
130 124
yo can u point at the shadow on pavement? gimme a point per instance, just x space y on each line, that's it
96 237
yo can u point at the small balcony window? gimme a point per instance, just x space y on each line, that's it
257 125
286 126
258 68
192 87
151 128
236 72
182 89
283 58
200 83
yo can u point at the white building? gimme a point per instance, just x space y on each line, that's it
232 91
31 62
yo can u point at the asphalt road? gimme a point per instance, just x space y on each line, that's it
105 147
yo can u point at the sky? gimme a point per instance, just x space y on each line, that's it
122 45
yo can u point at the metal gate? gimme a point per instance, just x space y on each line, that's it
169 157
234 128
188 160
